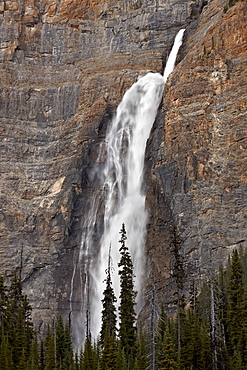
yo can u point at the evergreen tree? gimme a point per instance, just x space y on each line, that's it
68 360
168 356
22 364
160 333
127 329
142 353
18 326
109 320
6 362
162 324
235 312
205 347
121 363
50 354
42 356
59 341
109 352
33 361
88 358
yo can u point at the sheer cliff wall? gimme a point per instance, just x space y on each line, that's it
64 67
197 154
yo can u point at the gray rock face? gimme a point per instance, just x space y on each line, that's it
64 69
196 161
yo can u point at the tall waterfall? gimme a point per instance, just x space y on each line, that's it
121 193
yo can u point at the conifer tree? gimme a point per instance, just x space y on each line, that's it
121 363
19 326
22 364
109 352
50 353
59 340
109 320
33 361
127 329
160 333
235 313
168 353
162 324
68 360
42 356
142 352
88 358
6 362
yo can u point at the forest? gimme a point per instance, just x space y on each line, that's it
209 330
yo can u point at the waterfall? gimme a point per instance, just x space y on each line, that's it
121 191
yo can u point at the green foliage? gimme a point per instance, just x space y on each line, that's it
64 349
168 357
235 313
142 352
127 329
89 357
109 319
16 326
20 350
121 359
50 354
109 353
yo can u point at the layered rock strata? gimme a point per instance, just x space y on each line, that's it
197 154
64 67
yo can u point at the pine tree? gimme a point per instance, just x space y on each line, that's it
168 353
121 363
19 326
88 357
109 320
59 340
68 361
205 357
42 356
160 333
22 364
142 353
6 362
33 361
127 329
50 355
235 312
109 352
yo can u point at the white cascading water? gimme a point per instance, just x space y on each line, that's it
122 179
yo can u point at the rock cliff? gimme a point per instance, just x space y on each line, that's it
197 153
64 68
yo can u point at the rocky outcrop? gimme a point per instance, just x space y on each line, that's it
197 153
64 68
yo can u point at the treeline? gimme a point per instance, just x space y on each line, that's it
213 326
19 347
208 332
